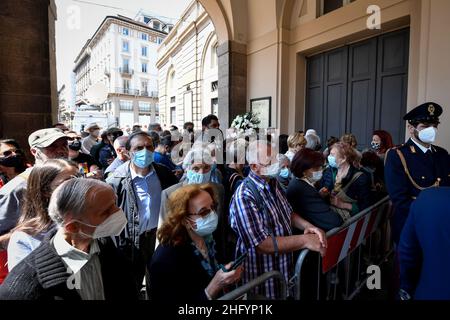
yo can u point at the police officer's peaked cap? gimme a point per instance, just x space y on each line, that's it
427 112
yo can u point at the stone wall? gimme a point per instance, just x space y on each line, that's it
25 63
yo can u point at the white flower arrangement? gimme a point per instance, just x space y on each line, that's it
245 122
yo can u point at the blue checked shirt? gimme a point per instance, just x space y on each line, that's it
252 227
148 191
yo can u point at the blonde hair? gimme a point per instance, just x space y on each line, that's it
350 139
296 139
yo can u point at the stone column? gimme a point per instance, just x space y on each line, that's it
25 77
232 81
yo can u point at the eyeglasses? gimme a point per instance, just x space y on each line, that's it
73 139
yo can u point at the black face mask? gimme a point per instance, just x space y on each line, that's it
190 130
75 146
12 162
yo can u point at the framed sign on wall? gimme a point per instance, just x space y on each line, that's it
263 108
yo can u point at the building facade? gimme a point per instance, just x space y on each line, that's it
122 56
266 49
333 65
64 111
188 70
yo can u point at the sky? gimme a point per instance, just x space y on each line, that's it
79 19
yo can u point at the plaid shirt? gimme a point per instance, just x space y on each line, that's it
252 228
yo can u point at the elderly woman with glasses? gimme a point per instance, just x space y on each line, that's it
184 266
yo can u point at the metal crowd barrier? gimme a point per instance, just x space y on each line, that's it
364 239
240 291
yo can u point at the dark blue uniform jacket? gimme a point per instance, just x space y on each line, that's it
424 169
424 249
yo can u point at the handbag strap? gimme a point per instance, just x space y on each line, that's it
352 180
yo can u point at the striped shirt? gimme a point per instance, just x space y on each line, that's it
253 227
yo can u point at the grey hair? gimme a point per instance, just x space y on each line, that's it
282 158
197 155
120 142
71 198
312 141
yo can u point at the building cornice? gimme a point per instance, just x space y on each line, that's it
179 40
105 24
174 31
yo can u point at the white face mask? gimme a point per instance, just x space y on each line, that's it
316 176
271 171
112 226
428 135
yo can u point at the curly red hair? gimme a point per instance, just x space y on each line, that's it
386 140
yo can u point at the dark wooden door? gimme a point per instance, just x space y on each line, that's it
392 83
359 88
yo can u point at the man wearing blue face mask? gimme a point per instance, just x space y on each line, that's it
416 165
138 184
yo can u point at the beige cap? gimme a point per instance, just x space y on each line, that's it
45 137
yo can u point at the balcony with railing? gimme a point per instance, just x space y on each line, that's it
126 71
128 91
151 94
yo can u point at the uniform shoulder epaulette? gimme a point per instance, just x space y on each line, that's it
408 174
398 146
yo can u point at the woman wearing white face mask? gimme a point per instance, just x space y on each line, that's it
184 266
303 195
347 186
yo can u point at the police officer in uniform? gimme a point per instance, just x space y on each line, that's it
416 165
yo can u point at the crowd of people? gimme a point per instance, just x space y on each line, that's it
183 224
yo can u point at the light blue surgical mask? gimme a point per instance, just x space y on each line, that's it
332 161
143 158
195 177
207 225
284 173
